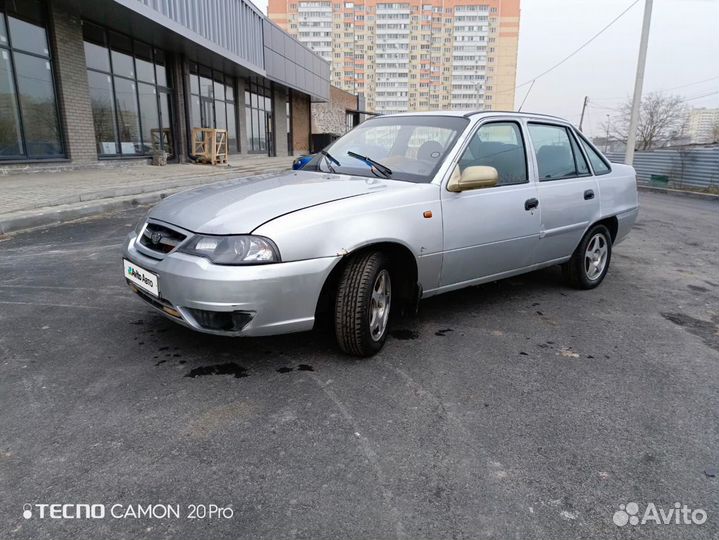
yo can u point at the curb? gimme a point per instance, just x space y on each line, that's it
56 215
680 193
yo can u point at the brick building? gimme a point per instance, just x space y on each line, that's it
83 81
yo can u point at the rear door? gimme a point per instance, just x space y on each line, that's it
494 230
568 193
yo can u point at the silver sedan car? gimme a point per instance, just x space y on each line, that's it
401 208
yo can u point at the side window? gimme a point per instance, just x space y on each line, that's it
579 161
598 164
498 145
558 155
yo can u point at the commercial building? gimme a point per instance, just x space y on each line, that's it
415 54
703 126
89 80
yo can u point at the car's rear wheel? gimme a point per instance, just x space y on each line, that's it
363 303
590 261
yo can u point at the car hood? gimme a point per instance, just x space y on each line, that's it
240 206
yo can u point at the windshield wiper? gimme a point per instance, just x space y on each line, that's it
375 165
330 160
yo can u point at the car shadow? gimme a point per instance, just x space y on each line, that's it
204 354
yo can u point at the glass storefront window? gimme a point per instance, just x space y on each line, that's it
149 116
97 57
37 105
212 102
160 70
28 37
29 123
143 63
258 101
10 134
127 116
103 112
122 61
131 109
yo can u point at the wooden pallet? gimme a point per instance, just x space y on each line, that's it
209 145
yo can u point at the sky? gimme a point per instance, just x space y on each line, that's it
683 49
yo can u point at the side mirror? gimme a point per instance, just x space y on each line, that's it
476 177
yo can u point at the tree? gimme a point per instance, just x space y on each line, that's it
661 120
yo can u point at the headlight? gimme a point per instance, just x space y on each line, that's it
245 249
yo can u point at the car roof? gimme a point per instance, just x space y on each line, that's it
468 114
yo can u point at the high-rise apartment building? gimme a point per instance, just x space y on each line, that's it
412 55
703 125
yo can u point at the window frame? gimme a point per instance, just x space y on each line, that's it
569 129
465 145
43 21
159 88
583 143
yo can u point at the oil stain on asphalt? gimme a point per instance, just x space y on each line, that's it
404 334
230 368
708 331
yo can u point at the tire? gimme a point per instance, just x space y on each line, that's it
587 267
357 300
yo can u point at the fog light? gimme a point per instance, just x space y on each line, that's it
226 321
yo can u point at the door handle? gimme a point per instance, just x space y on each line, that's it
589 194
531 203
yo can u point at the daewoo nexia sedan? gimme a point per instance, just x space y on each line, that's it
401 208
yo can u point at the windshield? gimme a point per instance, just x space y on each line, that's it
412 147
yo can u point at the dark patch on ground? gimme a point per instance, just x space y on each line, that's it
230 368
708 331
697 288
404 334
284 370
305 367
443 332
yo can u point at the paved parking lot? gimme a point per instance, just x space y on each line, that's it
518 409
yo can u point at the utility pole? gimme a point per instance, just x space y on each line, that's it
584 108
639 81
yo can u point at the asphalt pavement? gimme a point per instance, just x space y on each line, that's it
517 409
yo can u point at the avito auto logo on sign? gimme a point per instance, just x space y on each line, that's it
678 514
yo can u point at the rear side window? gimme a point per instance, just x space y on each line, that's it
499 145
557 152
598 164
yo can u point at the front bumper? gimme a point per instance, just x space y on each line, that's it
276 298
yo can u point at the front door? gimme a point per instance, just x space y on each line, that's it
491 231
568 193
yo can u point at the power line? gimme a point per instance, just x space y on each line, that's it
702 96
661 89
573 53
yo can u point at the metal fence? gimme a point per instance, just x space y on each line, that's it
681 168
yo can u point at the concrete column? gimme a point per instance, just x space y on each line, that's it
279 118
301 123
180 69
73 91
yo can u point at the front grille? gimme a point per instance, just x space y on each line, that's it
160 238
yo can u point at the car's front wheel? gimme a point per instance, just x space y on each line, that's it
590 261
363 303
